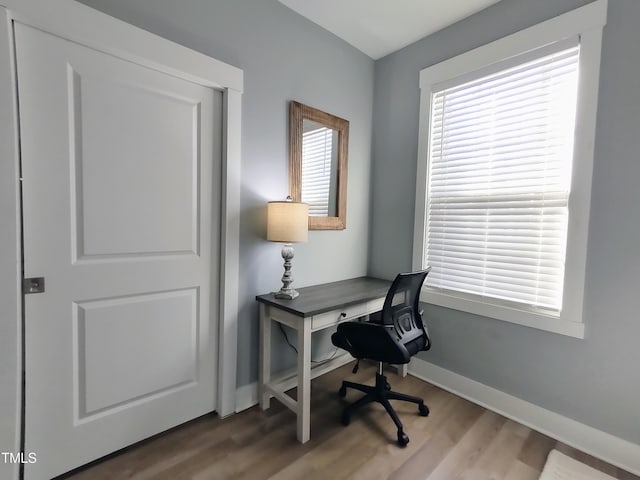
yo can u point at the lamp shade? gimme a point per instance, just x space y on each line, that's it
287 222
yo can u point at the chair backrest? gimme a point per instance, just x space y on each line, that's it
402 307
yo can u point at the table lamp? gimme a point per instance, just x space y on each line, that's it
287 222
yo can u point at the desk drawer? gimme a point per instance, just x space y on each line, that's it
324 320
375 305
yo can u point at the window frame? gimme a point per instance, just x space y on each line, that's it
587 23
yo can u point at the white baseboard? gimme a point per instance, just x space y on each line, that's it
246 396
599 444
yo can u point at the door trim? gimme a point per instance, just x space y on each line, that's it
89 27
10 257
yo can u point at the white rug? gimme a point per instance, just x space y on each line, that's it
561 467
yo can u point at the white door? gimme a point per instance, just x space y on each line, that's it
121 193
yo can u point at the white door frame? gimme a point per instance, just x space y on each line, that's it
97 30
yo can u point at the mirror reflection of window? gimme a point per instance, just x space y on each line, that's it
319 169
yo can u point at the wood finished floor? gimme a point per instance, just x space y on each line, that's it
458 440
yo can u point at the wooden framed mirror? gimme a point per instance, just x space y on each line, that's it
318 151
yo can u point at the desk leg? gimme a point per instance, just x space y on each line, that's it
304 381
265 356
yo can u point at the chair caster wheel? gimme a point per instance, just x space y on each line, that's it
403 440
346 419
424 410
343 391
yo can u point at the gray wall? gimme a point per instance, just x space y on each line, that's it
284 57
595 381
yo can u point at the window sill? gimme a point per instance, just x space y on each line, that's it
505 313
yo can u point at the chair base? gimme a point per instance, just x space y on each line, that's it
381 393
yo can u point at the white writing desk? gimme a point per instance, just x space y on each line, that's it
318 307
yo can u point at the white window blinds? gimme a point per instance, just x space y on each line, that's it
500 155
316 169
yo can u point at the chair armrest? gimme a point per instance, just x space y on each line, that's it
427 345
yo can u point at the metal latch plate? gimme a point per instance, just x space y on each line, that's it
33 285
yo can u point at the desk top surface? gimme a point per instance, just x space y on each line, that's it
329 296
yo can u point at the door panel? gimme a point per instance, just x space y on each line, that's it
121 143
121 208
163 361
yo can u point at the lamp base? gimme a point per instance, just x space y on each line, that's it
287 292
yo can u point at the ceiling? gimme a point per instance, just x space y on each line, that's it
380 27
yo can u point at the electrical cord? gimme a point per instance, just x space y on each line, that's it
286 339
330 357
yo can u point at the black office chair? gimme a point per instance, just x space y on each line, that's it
393 335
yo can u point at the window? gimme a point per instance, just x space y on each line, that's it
501 149
504 173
